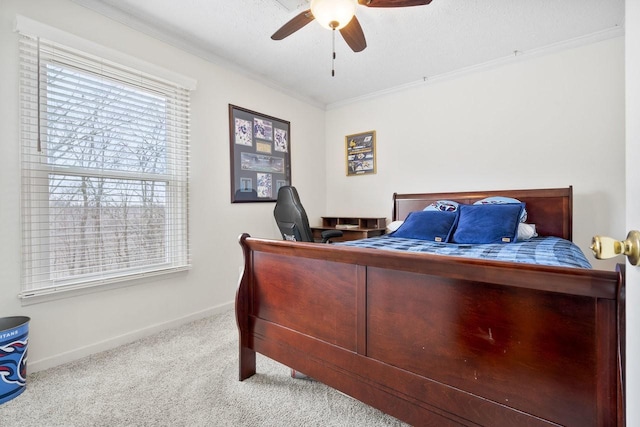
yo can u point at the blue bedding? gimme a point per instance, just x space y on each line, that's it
548 250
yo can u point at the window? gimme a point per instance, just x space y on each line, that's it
105 178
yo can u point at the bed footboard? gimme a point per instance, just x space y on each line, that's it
436 340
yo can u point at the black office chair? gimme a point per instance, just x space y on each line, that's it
292 219
293 223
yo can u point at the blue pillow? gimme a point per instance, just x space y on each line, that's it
488 223
435 226
502 200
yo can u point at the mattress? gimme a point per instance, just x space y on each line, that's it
549 250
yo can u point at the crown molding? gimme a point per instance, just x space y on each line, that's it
518 56
197 48
188 44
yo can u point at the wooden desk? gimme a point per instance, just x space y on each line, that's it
352 228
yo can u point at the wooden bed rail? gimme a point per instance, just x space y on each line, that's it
439 340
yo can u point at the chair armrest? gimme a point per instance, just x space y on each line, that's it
330 234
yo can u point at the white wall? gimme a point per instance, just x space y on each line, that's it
65 329
549 121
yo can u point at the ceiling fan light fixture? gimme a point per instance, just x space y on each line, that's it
333 14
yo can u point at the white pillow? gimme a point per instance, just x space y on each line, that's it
526 231
393 226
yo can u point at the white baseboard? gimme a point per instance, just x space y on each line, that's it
70 356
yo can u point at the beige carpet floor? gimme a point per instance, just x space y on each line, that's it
185 376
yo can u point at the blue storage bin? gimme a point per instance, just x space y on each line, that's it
14 336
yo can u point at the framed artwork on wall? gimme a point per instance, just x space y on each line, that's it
360 152
260 148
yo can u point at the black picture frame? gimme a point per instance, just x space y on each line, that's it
260 149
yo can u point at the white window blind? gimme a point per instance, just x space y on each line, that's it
105 171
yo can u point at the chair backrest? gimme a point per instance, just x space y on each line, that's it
291 217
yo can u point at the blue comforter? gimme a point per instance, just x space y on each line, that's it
552 251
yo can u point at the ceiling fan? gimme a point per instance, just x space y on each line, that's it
340 15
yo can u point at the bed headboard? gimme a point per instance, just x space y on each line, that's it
551 209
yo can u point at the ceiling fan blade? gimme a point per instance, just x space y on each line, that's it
354 36
393 3
293 25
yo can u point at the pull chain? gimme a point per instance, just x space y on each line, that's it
333 57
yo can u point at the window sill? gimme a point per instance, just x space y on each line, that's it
53 294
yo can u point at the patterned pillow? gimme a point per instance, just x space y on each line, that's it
499 200
443 206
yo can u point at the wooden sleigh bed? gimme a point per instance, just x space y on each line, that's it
440 340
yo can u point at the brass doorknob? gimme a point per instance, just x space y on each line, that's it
606 247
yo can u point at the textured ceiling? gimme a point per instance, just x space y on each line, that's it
404 45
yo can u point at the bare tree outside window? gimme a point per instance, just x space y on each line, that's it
106 189
102 222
